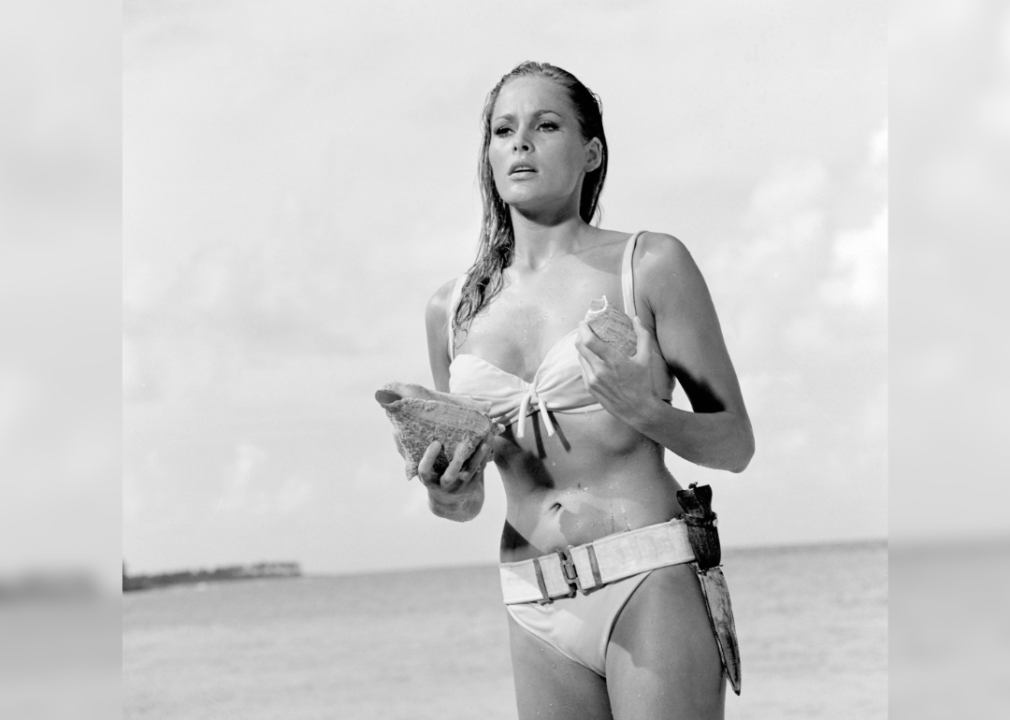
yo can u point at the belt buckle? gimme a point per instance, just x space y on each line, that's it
570 572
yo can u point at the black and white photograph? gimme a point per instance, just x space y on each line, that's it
504 361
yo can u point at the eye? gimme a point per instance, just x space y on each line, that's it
549 126
503 130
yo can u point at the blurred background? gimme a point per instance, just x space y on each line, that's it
949 525
60 379
299 178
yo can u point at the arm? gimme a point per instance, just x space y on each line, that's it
674 300
459 493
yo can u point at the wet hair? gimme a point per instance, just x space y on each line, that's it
496 244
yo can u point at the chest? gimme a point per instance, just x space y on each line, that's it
534 312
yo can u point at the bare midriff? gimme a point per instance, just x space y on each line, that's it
594 477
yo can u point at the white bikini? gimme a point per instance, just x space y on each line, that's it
571 599
557 386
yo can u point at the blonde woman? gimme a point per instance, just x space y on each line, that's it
590 500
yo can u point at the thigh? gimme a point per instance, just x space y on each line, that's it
550 685
662 661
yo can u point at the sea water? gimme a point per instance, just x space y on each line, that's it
812 625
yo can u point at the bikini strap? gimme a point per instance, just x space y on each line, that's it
628 275
457 293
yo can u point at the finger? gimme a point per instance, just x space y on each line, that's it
426 465
588 376
430 455
478 458
600 347
474 465
489 439
485 457
451 473
588 341
586 350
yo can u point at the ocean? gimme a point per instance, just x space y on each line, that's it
811 620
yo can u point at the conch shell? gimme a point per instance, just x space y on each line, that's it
612 326
420 416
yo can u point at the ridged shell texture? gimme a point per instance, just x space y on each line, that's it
420 416
612 326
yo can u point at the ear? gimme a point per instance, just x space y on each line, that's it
594 154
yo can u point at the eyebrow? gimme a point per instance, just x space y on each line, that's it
538 113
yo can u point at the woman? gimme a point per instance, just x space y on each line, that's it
586 427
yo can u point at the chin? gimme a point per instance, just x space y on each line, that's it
519 200
528 198
527 205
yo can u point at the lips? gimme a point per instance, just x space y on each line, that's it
522 169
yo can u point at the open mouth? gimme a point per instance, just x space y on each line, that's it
522 170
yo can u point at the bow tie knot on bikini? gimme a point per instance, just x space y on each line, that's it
531 398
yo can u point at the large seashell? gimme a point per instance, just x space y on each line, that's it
612 326
420 416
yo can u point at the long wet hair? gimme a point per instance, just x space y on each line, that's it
496 245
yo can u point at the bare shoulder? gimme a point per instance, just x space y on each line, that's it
659 251
667 267
436 321
436 314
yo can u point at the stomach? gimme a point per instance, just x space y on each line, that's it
595 476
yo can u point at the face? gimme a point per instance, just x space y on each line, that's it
537 153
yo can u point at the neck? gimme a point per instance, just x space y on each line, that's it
538 240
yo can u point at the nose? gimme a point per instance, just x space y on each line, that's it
521 142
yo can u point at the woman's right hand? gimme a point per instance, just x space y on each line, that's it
462 468
458 493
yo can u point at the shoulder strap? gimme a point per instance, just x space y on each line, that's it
457 292
628 275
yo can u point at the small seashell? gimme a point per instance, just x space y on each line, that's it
612 326
421 416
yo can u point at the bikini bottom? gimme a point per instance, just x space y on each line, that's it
579 627
571 599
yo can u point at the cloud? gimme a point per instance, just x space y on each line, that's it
858 275
804 270
858 272
802 291
778 251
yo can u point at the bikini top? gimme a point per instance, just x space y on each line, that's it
557 385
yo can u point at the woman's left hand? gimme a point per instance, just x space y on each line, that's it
622 385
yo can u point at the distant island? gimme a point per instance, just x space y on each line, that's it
229 572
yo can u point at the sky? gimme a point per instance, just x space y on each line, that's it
299 178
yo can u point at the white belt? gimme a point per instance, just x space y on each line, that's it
602 561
